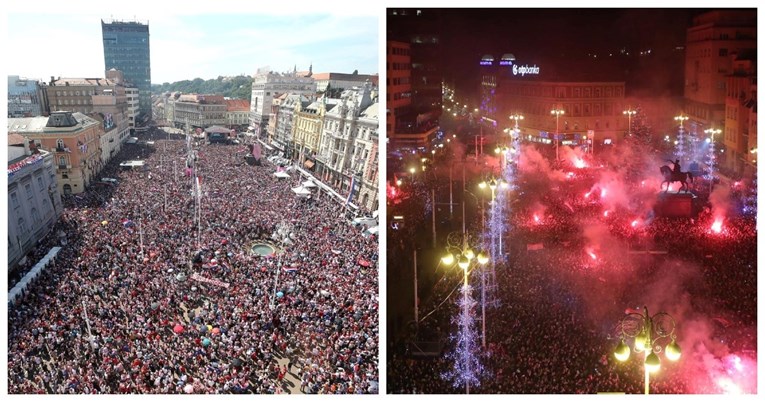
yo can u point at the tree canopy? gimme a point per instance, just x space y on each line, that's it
239 87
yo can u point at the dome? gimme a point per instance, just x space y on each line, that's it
508 57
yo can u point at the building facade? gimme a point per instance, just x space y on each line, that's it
710 41
25 97
283 118
126 48
266 85
34 203
199 111
348 152
739 135
131 93
338 82
307 130
587 106
237 113
72 138
103 99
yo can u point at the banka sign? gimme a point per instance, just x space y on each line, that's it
523 70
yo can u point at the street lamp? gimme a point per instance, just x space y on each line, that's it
557 113
629 113
467 366
647 331
712 132
680 140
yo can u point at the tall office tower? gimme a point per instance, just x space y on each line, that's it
126 48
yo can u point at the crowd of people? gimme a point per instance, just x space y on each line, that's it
559 304
144 298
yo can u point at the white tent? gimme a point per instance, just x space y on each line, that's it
301 190
309 184
282 175
372 231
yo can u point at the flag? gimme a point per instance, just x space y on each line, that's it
350 192
289 269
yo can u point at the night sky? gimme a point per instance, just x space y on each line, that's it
547 35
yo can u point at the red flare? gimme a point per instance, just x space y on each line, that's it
717 225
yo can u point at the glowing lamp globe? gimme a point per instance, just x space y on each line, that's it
469 254
448 259
640 341
652 362
464 262
482 258
673 351
482 185
622 351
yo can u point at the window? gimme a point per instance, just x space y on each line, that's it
22 226
723 52
14 200
62 162
28 189
35 216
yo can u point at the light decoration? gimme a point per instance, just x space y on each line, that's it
466 364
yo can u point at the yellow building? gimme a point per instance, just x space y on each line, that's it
74 140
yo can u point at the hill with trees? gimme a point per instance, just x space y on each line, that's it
239 87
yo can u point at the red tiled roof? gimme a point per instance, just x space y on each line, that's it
233 105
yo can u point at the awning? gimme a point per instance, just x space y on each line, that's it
282 175
308 184
308 164
301 190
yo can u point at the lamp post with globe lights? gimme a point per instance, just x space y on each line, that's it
648 332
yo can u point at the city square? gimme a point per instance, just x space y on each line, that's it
572 214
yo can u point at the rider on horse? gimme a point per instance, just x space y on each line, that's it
675 166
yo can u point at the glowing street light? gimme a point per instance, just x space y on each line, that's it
629 113
647 331
557 113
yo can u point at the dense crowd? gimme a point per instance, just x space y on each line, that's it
555 328
123 309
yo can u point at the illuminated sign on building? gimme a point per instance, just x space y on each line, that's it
525 69
505 63
486 63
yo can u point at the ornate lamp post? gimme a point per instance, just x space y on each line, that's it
466 364
557 113
648 331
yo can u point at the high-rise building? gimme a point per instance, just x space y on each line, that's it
126 48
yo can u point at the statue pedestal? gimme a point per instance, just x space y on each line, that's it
676 205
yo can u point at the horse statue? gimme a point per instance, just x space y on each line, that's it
670 176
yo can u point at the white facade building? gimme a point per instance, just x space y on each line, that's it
348 152
34 204
266 85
